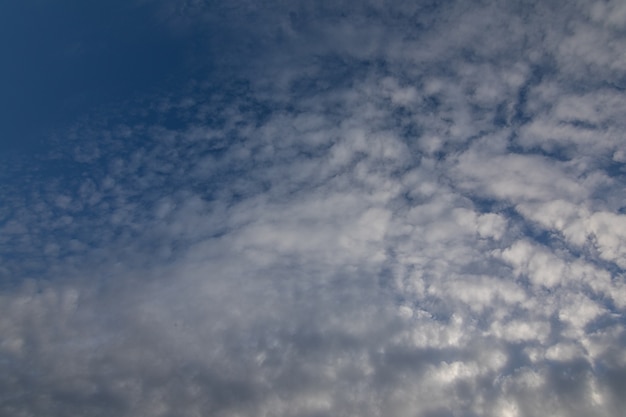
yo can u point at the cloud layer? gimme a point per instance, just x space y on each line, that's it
383 209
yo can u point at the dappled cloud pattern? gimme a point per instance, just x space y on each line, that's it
385 209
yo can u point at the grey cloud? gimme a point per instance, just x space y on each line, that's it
434 235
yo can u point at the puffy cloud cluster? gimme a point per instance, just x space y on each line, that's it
402 210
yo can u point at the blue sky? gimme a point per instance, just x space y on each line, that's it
375 208
66 61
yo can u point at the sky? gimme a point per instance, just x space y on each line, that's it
372 208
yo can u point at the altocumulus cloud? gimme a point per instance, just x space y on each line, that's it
371 209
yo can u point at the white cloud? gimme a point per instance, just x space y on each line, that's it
403 211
